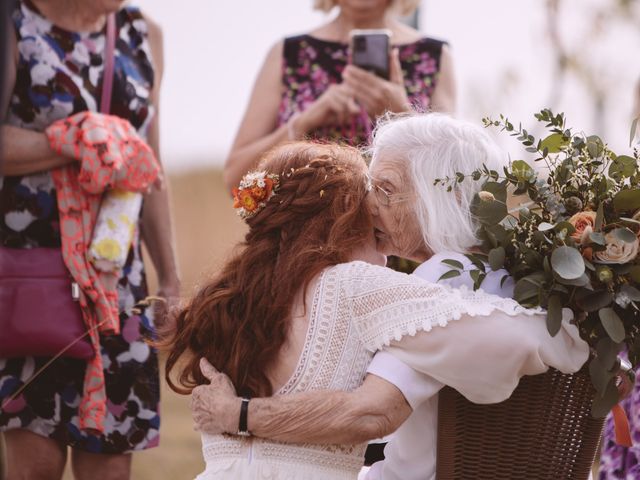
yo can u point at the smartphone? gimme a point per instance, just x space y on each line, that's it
370 50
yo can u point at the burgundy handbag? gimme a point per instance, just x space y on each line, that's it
40 314
39 310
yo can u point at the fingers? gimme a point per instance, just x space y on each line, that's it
207 369
395 70
357 78
341 104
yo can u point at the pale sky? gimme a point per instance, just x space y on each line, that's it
501 51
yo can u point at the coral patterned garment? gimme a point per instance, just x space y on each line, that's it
111 155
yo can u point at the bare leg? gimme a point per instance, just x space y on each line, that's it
3 458
33 457
98 466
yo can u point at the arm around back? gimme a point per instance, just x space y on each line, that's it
375 409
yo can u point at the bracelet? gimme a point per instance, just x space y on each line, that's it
291 131
243 428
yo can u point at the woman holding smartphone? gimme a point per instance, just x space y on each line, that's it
307 87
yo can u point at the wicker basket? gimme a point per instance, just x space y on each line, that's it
544 431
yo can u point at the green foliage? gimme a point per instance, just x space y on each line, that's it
572 243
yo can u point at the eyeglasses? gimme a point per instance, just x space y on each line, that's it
384 197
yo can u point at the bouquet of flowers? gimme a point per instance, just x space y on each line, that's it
573 241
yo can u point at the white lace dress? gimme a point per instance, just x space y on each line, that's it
357 308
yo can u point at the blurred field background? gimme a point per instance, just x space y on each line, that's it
576 56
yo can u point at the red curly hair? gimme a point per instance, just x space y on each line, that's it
240 319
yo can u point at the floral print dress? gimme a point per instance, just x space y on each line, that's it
618 462
59 73
311 65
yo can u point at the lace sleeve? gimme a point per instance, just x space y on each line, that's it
386 305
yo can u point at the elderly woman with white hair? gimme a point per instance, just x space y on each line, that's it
482 355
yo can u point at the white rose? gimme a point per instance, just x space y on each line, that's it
617 251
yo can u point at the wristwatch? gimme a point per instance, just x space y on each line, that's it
243 429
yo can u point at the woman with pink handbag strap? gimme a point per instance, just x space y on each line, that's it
61 69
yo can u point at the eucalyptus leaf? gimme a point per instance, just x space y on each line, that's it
488 213
600 375
582 281
523 171
477 262
634 129
567 262
634 273
545 226
559 288
623 166
509 223
527 289
627 200
592 301
478 277
554 315
630 220
453 263
603 404
496 258
565 226
553 143
625 235
595 146
597 237
599 217
449 274
621 269
631 292
612 324
607 351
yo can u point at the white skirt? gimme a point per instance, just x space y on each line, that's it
258 469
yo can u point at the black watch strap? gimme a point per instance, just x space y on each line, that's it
243 428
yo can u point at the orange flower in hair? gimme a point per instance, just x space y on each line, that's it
253 193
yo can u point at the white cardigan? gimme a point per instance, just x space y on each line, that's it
482 357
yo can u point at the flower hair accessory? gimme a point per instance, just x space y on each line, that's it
253 193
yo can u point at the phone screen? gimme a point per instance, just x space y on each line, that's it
370 51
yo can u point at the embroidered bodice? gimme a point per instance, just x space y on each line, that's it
357 307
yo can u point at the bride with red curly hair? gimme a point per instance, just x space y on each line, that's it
250 320
303 307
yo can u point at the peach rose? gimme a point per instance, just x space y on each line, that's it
617 251
583 222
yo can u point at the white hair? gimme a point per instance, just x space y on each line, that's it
431 146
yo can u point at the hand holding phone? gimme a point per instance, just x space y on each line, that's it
376 94
370 50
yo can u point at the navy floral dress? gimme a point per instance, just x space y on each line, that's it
311 65
59 73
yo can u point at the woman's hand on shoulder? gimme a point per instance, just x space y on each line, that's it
215 408
376 94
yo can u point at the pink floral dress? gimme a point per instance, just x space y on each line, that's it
311 65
